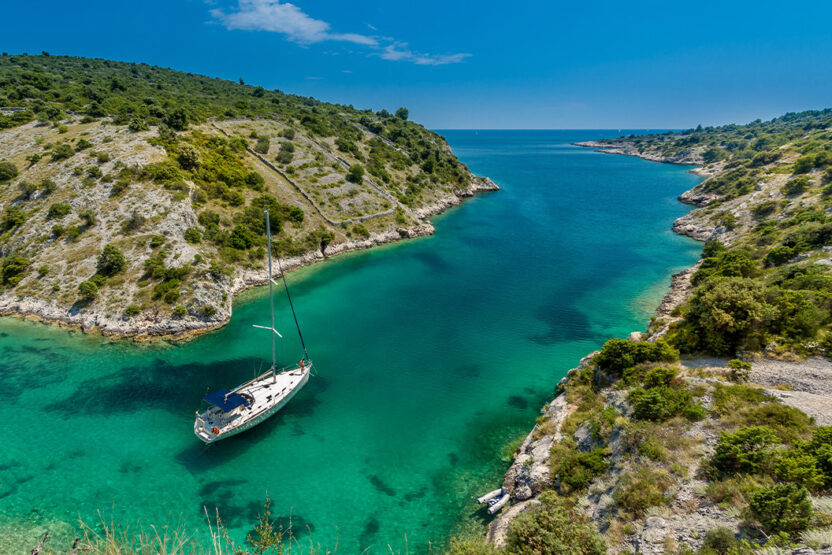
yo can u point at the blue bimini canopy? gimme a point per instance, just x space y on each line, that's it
225 400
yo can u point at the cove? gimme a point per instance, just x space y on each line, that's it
430 354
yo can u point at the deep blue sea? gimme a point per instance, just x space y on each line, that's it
431 355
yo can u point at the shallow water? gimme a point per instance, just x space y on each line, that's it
430 354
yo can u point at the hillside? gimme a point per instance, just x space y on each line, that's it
132 196
710 432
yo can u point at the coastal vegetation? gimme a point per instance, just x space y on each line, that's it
664 455
174 170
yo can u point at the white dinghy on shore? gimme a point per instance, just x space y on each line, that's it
495 500
235 411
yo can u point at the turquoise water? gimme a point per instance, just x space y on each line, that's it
431 354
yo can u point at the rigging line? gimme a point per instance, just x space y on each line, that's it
292 306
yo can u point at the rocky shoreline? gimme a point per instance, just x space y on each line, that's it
179 329
528 475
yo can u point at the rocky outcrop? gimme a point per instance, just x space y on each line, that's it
456 197
690 225
696 197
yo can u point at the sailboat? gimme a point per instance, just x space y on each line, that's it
231 412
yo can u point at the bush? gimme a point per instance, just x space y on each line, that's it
13 217
111 261
801 469
208 310
57 211
728 314
14 268
796 186
48 186
355 174
284 157
179 311
132 310
62 151
779 255
804 164
747 450
553 527
641 490
192 235
576 470
8 171
662 403
740 371
87 290
137 124
618 354
719 540
781 508
289 133
262 145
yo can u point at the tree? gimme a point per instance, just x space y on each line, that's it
262 145
57 211
781 508
729 313
188 157
356 173
8 171
402 113
111 261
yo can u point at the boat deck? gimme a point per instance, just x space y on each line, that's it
268 393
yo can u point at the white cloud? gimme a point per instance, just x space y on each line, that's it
287 19
400 51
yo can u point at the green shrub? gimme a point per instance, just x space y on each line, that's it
13 216
727 263
781 508
662 403
574 469
618 354
57 211
138 123
132 310
740 371
748 450
179 311
729 313
553 527
642 489
62 151
14 269
8 171
192 235
779 255
355 173
720 541
87 290
764 209
48 186
111 261
800 468
796 186
262 145
208 311
804 164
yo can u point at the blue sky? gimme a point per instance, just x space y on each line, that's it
483 64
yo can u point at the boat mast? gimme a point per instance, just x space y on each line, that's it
271 296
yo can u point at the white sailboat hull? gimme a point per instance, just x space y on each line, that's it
270 393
